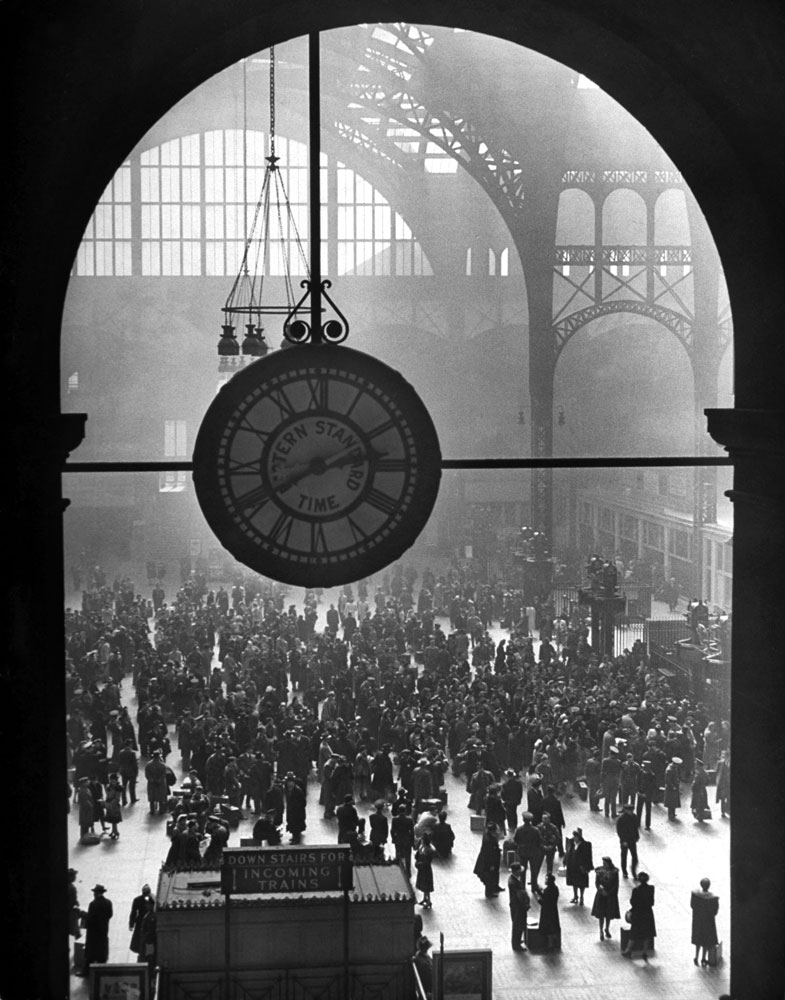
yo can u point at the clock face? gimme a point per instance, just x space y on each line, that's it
317 465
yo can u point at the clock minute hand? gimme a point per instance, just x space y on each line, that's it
349 455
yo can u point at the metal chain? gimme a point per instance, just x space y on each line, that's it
272 100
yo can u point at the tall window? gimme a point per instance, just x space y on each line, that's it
106 245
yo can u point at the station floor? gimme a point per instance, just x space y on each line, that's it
676 856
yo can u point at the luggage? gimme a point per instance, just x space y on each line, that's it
715 955
78 962
233 814
583 790
89 838
509 853
476 823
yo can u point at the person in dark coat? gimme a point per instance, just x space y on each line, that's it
628 834
606 900
528 844
138 910
157 783
672 799
552 805
642 925
647 793
294 793
99 913
348 819
704 905
699 803
519 905
578 862
494 808
610 774
402 832
443 836
128 766
423 862
489 859
266 831
535 799
380 829
511 796
550 925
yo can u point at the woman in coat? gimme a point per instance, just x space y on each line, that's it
423 862
699 803
642 926
578 862
549 925
606 901
704 905
488 862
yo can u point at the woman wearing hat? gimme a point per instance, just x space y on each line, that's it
606 900
641 916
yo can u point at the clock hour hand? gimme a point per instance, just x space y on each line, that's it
350 455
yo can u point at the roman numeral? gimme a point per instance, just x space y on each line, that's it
357 532
282 528
318 388
354 402
318 541
253 501
281 400
391 465
244 425
243 468
381 429
381 501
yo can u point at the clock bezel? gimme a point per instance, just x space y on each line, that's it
245 542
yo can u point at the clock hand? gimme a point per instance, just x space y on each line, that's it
319 465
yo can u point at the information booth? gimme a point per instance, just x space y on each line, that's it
296 922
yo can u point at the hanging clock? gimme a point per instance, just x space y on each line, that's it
317 465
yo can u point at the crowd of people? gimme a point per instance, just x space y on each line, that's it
270 712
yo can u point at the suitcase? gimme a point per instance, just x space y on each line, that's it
476 823
715 955
233 814
509 853
78 962
583 790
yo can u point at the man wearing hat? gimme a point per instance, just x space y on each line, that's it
534 799
99 913
647 791
627 830
519 905
630 770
